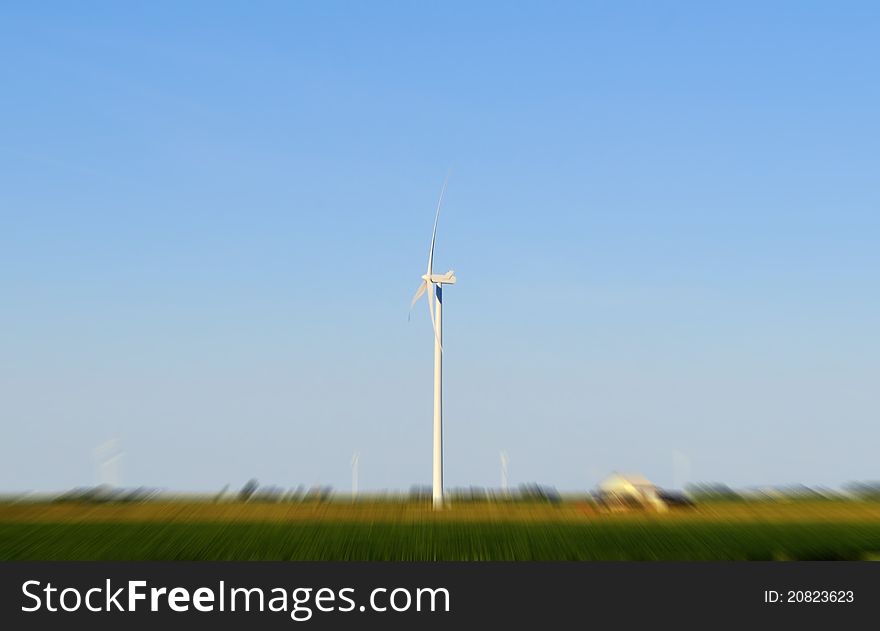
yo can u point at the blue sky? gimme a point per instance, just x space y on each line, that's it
663 218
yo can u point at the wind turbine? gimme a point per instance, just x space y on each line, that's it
505 489
432 285
108 457
355 462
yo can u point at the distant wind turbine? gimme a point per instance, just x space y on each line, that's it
505 489
108 457
355 462
432 285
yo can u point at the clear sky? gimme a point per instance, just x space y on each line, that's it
664 218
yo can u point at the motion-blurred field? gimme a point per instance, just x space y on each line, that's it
832 530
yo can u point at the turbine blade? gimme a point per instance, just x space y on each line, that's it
415 299
434 232
419 292
431 299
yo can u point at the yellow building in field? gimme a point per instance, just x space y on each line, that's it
622 490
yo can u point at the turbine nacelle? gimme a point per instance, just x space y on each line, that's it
440 279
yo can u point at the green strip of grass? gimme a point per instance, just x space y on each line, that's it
438 541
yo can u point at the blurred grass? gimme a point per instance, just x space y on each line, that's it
350 532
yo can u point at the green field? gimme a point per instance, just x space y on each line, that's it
443 541
142 532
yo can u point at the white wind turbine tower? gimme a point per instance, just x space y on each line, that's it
505 489
355 462
432 284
